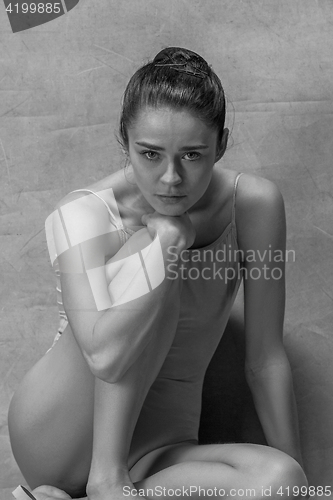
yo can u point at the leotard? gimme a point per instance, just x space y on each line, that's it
211 277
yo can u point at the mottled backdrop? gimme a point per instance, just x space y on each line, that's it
61 85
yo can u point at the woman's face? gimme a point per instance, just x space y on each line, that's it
172 154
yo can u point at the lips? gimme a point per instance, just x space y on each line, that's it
170 198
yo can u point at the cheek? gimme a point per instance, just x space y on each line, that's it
144 179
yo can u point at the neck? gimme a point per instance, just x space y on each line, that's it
207 199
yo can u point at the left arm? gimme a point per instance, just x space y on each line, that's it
262 237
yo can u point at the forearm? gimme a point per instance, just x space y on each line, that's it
124 330
115 415
116 410
122 334
274 399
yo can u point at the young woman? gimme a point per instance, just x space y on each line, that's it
149 261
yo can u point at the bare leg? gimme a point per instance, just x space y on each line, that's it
240 471
51 416
230 470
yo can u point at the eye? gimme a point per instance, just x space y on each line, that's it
150 155
192 155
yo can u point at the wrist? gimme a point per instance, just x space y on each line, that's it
172 241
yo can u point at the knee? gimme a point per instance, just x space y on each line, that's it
284 477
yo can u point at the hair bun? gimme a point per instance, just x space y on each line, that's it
178 55
166 55
183 60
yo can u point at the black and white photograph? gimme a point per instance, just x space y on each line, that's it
166 215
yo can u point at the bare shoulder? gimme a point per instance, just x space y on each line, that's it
81 213
68 198
78 213
253 192
260 213
256 194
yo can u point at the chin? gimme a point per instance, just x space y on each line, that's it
171 211
166 209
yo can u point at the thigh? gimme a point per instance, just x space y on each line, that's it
223 468
157 459
239 455
51 416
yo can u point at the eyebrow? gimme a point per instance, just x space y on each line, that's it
158 148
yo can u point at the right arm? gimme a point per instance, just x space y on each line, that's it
126 343
112 339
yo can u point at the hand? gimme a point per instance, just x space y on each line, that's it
174 230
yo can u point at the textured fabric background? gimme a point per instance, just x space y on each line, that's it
61 85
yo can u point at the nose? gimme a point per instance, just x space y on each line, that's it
171 175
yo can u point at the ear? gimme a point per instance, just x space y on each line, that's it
222 146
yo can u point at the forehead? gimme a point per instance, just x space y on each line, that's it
165 124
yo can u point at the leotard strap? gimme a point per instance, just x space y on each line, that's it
233 213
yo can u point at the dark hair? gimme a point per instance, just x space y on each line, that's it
177 78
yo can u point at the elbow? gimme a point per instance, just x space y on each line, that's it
108 367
